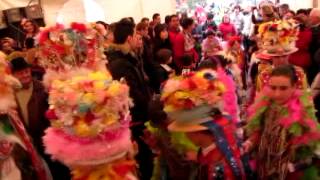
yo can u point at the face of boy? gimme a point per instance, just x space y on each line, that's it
281 89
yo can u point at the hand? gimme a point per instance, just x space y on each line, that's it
291 167
246 146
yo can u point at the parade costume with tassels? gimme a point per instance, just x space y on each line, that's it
284 134
193 102
18 157
89 111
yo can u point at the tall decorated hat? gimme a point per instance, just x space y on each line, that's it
89 111
192 99
278 38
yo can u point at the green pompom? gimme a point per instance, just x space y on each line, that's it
296 129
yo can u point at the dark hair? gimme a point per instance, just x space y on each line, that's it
284 6
128 19
237 7
123 29
163 55
209 33
186 60
173 16
112 27
141 26
158 29
156 114
210 16
208 64
287 71
292 12
18 64
302 11
155 15
167 19
29 42
103 23
186 22
221 60
144 19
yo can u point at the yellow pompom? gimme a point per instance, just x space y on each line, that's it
221 87
182 95
88 98
98 76
114 89
99 85
82 129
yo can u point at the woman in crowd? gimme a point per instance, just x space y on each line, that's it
30 29
161 38
302 57
227 28
188 26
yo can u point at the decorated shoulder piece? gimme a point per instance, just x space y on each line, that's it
298 119
89 111
278 37
194 103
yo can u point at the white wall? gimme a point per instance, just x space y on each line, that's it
298 4
114 9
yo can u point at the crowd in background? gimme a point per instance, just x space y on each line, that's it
147 53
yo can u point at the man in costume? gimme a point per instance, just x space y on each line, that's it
277 41
193 102
89 111
18 157
283 130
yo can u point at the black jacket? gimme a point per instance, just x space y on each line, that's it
123 64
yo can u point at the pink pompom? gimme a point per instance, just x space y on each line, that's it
51 115
79 27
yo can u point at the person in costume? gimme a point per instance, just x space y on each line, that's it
172 160
89 111
277 40
18 156
193 103
283 130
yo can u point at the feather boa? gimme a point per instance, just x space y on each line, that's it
76 150
229 97
299 119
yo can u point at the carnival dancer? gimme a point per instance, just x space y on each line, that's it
283 130
18 157
89 111
277 41
193 102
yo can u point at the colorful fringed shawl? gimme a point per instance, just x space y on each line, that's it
289 133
